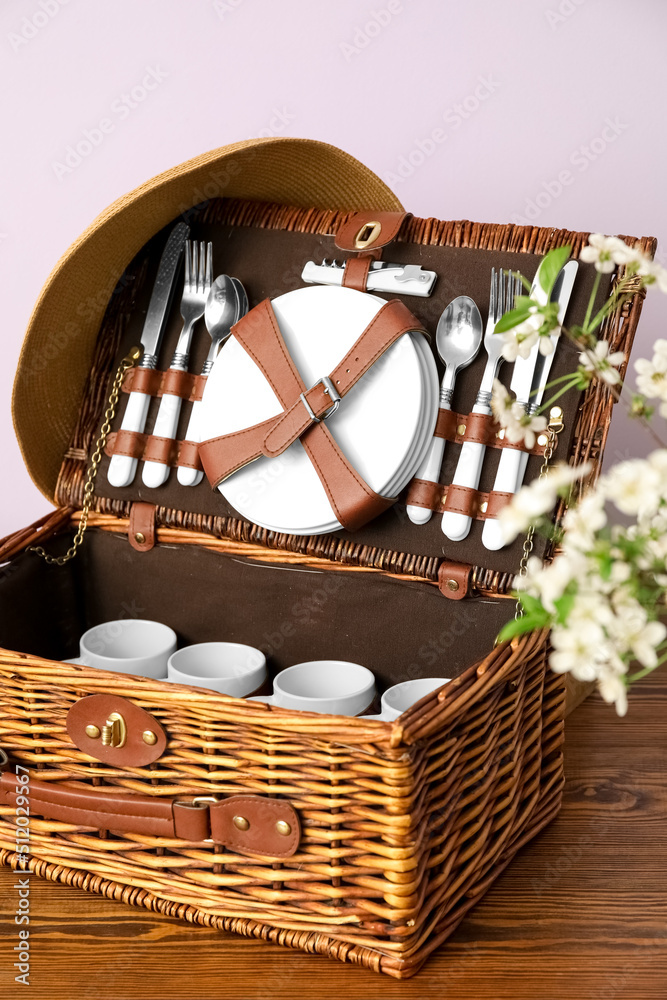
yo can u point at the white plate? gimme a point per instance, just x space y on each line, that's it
382 425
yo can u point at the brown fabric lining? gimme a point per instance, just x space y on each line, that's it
399 629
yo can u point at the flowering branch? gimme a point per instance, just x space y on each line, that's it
604 592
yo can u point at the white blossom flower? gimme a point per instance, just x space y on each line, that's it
613 689
582 521
604 364
632 632
605 252
634 487
576 651
538 498
520 340
652 375
519 426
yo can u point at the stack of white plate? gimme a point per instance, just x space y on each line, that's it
383 425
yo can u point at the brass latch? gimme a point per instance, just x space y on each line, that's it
368 234
113 732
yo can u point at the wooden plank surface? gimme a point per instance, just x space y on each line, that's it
580 913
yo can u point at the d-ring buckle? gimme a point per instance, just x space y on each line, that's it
330 391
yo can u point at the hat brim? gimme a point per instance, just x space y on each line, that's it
58 347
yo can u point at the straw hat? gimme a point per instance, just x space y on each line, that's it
58 347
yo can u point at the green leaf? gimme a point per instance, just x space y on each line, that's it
531 605
565 604
510 319
551 266
518 626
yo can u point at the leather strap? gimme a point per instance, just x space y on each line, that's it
264 826
390 224
356 271
480 428
352 500
458 499
156 383
141 529
147 447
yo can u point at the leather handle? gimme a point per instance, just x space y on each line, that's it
249 824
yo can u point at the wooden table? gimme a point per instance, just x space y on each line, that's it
580 913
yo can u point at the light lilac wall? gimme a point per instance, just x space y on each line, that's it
519 93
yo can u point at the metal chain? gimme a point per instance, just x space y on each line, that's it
110 412
554 428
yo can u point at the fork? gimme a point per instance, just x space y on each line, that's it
196 287
469 466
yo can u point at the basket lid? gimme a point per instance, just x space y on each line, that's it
56 356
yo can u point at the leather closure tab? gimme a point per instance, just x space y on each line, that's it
251 824
91 719
454 579
370 231
141 529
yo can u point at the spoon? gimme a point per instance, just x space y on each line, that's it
458 339
226 304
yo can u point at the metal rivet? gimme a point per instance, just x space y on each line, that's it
241 823
93 732
542 439
140 538
443 498
484 507
461 429
500 434
555 412
284 828
149 737
452 585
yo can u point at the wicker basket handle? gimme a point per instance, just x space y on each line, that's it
248 824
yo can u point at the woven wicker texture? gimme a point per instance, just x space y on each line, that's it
404 825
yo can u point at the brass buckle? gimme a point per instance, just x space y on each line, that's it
329 390
368 234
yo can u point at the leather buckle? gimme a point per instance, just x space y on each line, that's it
330 391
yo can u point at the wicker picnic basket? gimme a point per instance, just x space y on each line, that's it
396 829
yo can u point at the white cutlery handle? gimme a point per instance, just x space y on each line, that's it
155 473
511 465
468 471
122 468
191 477
430 471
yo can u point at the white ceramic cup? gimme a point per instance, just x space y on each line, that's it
226 667
331 687
400 697
128 646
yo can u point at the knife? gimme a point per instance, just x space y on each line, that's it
512 464
122 468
